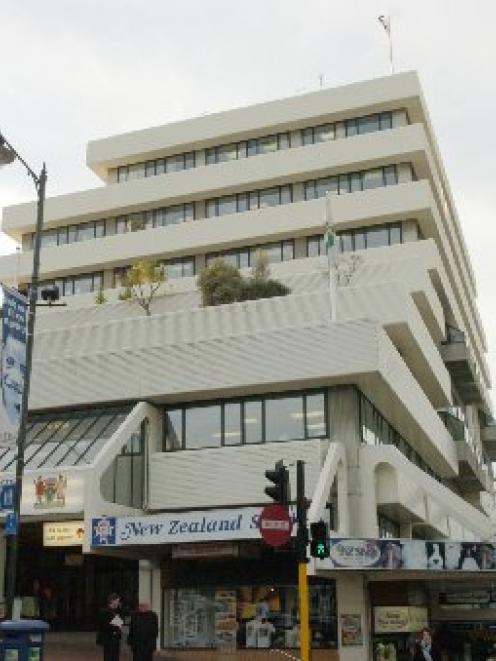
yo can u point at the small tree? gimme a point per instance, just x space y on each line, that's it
220 283
142 281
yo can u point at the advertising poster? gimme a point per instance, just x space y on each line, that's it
225 619
411 554
12 365
351 630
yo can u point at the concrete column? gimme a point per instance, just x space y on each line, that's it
3 559
300 248
150 590
200 263
295 137
400 118
404 173
200 158
110 227
108 279
200 210
352 599
409 229
298 192
340 130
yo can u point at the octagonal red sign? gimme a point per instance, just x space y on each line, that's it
275 525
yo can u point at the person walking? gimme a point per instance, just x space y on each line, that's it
425 649
110 628
143 632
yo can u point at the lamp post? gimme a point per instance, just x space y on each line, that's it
8 155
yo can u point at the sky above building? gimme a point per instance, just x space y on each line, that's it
72 71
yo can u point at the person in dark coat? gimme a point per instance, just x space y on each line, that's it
110 628
426 649
143 632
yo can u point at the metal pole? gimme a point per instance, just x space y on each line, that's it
13 551
302 541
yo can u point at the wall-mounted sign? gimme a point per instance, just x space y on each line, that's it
351 630
179 528
409 554
466 597
400 619
46 492
63 533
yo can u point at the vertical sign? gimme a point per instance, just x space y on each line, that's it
13 364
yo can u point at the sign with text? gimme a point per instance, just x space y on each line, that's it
400 619
409 554
63 533
48 492
179 528
275 525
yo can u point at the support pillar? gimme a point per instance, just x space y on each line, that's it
149 589
3 562
353 601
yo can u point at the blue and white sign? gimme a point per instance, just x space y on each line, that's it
7 496
11 525
180 528
103 531
13 364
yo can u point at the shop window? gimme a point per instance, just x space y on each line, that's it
247 617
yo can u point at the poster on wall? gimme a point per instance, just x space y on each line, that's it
410 554
225 618
12 364
400 619
51 492
351 630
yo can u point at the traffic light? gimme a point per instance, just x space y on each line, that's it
280 479
319 540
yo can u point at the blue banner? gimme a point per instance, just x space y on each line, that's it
13 364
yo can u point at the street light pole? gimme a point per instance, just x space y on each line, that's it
7 155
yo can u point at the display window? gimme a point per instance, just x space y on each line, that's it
247 617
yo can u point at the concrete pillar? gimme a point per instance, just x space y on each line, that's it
400 118
295 137
200 210
353 600
300 248
149 588
405 173
409 231
298 192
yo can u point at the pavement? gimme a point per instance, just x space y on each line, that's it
76 647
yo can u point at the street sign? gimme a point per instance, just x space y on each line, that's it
275 525
11 526
7 496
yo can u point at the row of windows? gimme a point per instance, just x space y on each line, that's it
376 430
61 236
257 199
359 126
75 284
162 217
246 148
175 163
182 267
375 236
227 204
352 182
279 251
246 421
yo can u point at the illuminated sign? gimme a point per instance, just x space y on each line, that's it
63 533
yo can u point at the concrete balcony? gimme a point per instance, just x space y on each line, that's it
488 437
462 366
475 470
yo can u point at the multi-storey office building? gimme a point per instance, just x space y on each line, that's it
173 418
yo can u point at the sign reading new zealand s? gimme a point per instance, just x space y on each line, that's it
213 525
13 364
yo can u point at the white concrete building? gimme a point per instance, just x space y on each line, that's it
173 418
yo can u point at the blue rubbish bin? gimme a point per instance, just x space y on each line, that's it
22 640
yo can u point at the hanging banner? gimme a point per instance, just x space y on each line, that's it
13 364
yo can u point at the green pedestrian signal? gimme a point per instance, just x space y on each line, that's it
319 540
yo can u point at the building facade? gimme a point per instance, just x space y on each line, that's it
165 424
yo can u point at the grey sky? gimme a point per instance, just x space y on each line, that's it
74 70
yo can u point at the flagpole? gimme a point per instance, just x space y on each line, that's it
385 21
330 244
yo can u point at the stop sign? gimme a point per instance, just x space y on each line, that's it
275 525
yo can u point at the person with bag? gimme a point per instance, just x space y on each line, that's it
110 628
143 632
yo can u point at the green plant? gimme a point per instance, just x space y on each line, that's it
100 297
142 281
220 283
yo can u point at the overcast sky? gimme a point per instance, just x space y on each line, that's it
74 70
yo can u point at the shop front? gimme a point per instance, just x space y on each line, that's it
222 588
